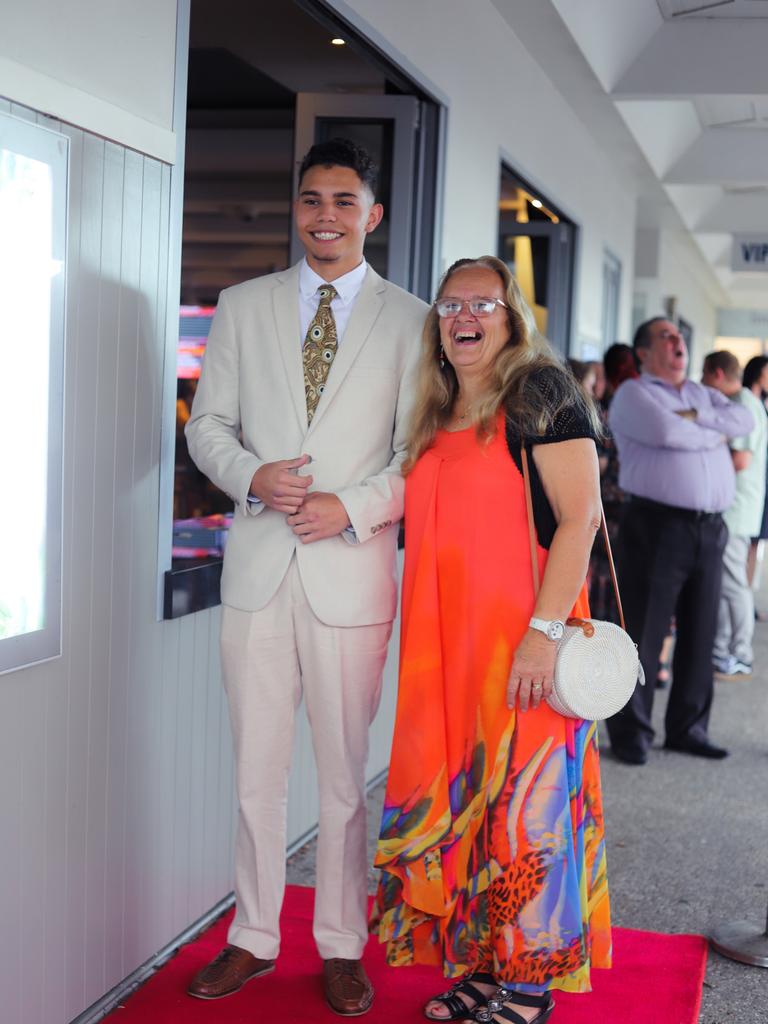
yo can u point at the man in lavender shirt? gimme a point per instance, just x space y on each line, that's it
674 461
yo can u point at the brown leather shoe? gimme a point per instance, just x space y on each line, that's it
347 988
228 973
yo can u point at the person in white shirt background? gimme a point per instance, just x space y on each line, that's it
732 654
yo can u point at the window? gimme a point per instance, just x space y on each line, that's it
33 176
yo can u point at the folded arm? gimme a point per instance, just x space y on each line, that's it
724 415
636 415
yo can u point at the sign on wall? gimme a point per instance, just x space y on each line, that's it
742 323
750 252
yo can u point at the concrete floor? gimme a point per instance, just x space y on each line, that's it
687 840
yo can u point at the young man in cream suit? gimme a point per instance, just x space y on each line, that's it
311 456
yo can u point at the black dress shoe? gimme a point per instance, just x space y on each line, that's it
629 754
699 747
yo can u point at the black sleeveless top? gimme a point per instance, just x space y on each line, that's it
570 423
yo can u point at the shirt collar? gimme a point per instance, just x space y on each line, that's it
347 286
652 379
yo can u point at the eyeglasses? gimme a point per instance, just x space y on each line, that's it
449 307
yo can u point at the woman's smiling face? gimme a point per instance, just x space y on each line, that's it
472 343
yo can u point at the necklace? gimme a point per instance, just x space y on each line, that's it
460 417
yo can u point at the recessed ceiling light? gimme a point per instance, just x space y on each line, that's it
537 203
338 41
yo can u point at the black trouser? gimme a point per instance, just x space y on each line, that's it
669 563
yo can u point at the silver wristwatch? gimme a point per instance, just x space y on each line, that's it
553 629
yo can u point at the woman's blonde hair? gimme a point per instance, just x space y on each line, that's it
511 382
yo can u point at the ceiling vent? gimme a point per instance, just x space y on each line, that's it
680 8
710 8
745 190
733 111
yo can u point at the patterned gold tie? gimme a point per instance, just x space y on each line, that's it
320 347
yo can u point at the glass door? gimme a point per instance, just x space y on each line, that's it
537 244
387 127
540 257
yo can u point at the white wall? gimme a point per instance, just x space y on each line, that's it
106 67
501 102
672 267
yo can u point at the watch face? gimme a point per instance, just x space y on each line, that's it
555 630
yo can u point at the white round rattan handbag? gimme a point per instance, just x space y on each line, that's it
597 666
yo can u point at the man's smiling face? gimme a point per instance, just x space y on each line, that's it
334 213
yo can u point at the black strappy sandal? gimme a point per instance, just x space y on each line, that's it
499 1006
456 1007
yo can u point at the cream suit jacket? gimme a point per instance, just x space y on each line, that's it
250 409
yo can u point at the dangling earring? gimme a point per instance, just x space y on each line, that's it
442 357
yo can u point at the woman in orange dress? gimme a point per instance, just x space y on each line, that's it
492 851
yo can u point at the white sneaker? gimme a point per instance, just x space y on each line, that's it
731 668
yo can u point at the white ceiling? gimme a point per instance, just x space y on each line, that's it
695 98
688 80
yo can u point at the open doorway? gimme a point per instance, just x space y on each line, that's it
266 81
537 243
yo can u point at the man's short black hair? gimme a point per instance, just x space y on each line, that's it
342 153
642 338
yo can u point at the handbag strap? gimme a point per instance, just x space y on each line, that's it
532 538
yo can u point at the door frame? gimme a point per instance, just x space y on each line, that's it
173 295
559 284
425 242
564 252
403 111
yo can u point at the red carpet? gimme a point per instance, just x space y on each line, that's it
655 977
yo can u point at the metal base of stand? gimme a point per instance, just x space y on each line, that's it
740 940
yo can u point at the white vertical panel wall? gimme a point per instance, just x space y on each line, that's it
115 785
116 794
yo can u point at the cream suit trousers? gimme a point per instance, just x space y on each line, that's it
269 658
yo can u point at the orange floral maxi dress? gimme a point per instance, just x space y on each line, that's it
492 851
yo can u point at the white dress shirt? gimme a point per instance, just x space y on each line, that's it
347 289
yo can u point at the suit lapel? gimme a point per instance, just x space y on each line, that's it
364 315
285 302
